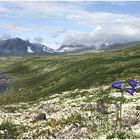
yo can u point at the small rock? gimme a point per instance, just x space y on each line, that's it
135 121
138 107
39 117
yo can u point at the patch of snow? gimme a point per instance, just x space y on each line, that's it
29 50
106 44
67 49
47 49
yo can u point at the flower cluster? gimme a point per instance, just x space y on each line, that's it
132 83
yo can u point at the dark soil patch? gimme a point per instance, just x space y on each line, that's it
4 81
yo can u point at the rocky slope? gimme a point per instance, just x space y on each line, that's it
19 47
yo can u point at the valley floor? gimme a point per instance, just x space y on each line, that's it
70 115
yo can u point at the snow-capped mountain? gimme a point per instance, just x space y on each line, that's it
94 48
17 46
112 46
75 48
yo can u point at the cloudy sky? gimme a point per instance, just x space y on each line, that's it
82 22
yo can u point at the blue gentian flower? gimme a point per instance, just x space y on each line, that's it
130 90
133 83
117 85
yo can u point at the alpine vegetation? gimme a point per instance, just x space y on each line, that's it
69 70
71 97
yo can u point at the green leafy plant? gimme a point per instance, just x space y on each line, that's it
9 130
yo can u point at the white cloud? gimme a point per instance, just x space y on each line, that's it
105 26
46 9
98 28
13 27
73 11
38 39
105 34
4 11
5 36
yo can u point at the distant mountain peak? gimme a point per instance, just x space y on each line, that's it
98 47
18 46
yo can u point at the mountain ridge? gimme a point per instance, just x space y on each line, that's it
17 46
20 47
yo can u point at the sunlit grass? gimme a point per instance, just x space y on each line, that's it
35 77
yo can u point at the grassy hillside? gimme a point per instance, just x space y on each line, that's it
35 77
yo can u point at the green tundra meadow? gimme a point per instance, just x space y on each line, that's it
38 83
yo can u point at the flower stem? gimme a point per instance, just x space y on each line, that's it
117 118
121 102
107 123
